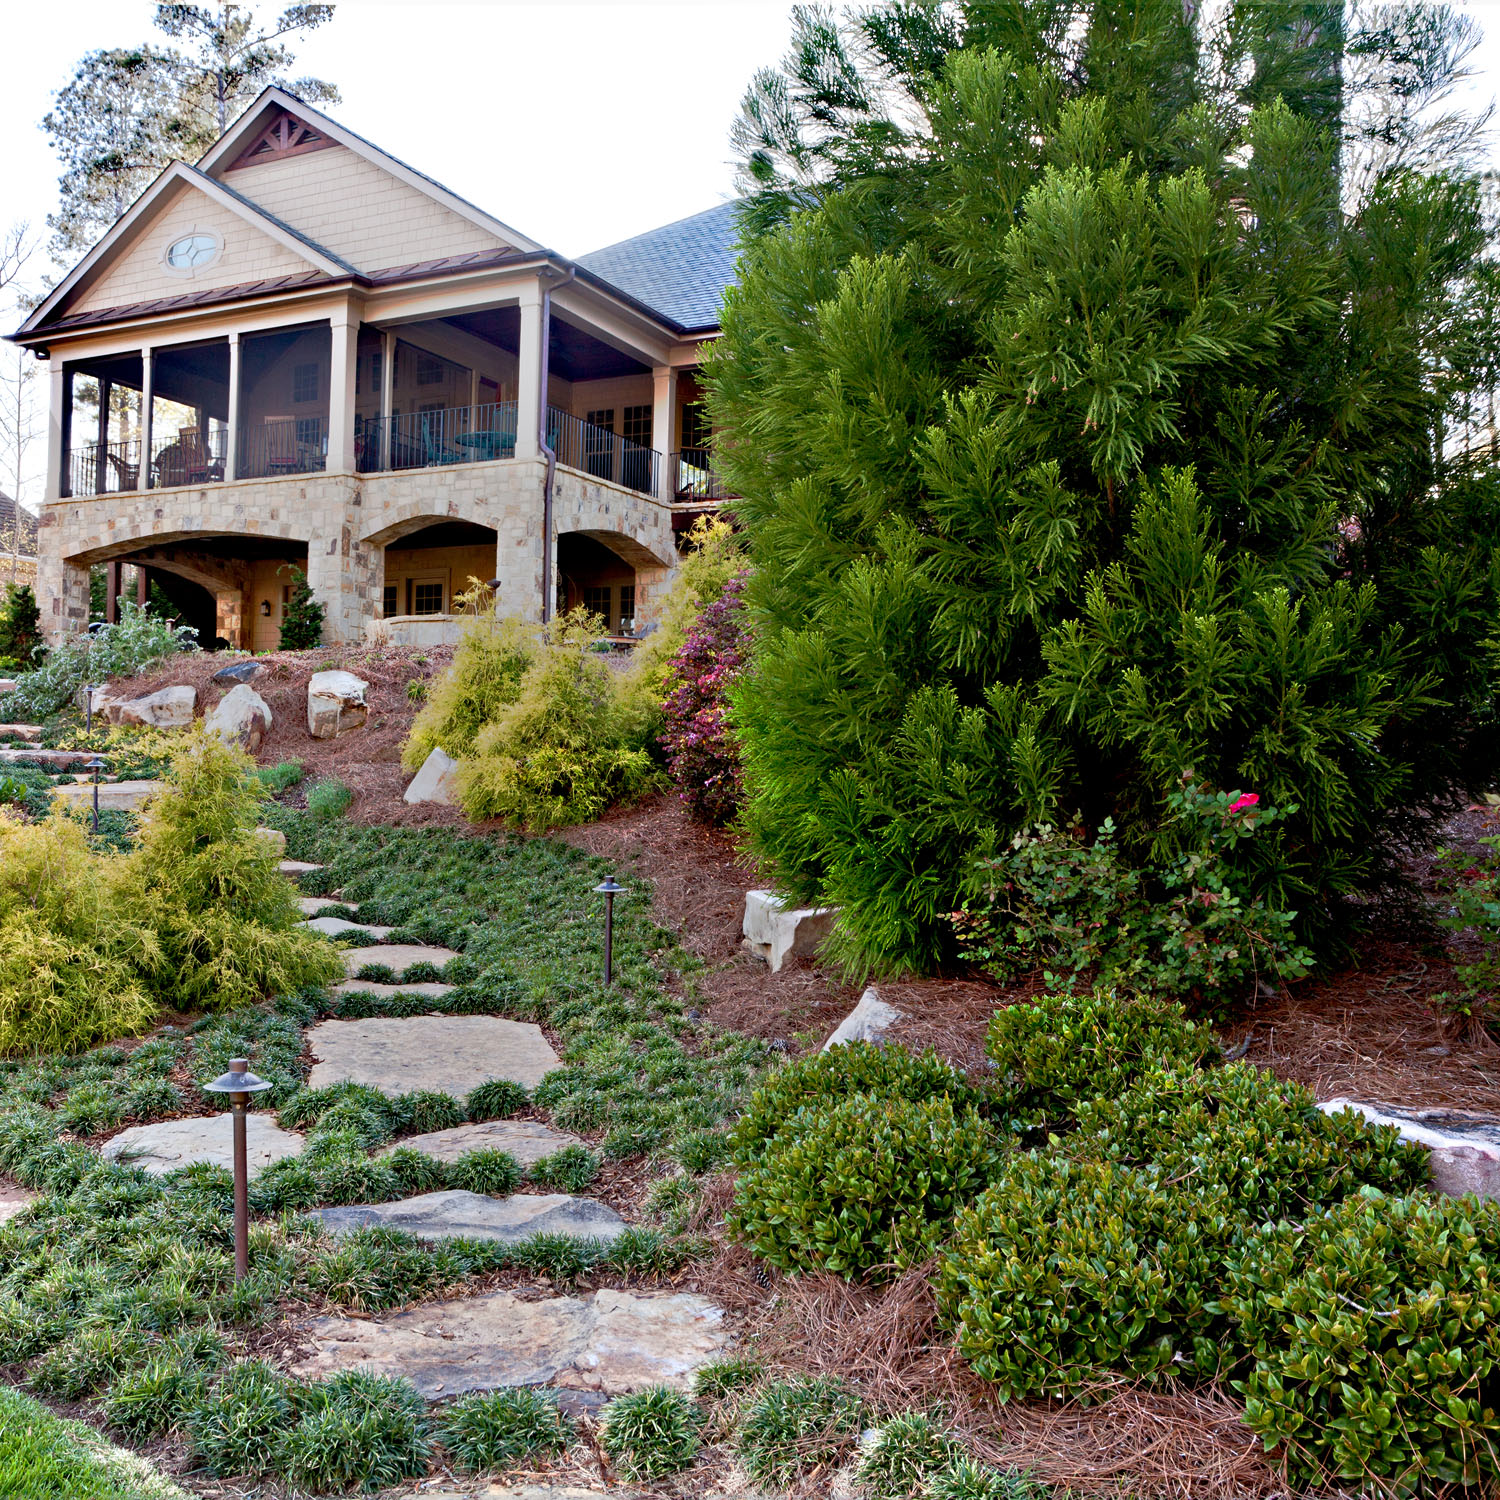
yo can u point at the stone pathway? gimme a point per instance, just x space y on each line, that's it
609 1341
397 956
114 796
455 1214
452 1054
58 760
338 926
12 1200
310 906
431 988
296 867
169 1144
525 1140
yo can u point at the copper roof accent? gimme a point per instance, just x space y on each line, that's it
475 260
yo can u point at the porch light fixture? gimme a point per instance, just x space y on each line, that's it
265 608
239 1083
96 765
609 890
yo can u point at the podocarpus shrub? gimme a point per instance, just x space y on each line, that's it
1063 1273
1058 1049
1257 1146
1043 505
863 1185
703 756
825 1077
1375 1331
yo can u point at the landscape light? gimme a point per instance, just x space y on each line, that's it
239 1083
609 890
96 765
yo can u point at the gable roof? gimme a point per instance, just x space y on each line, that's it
27 544
680 270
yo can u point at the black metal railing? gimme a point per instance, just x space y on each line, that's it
694 481
105 468
427 439
602 453
287 445
189 458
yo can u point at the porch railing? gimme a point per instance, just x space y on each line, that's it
694 481
105 468
291 445
427 439
189 458
602 453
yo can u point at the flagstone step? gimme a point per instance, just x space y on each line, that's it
57 760
296 867
456 1214
20 731
610 1341
396 956
526 1140
12 1200
168 1144
116 796
310 906
453 1054
338 926
431 988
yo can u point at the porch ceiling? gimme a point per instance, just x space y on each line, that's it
574 353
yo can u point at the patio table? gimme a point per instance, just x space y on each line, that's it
488 444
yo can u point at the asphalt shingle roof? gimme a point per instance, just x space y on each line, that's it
27 547
679 270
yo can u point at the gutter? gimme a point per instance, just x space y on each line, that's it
549 593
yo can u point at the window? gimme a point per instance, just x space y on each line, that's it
430 369
310 433
596 601
694 425
604 417
599 442
388 601
426 598
636 425
627 607
304 382
192 252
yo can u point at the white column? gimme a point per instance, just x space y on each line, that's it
148 371
387 394
232 437
344 329
531 399
663 418
58 458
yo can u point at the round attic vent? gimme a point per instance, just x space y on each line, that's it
192 252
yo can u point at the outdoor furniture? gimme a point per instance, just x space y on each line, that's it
283 455
498 443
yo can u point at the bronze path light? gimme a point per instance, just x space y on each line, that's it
239 1083
609 890
96 765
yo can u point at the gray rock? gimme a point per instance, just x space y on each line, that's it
20 731
773 930
338 926
453 1054
1463 1150
169 1144
436 781
867 1022
13 1200
114 796
455 1214
525 1140
397 956
238 671
335 704
241 717
611 1341
431 988
167 708
273 838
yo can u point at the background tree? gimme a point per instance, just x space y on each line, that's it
128 112
20 418
1087 395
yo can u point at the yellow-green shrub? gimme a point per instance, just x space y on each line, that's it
484 677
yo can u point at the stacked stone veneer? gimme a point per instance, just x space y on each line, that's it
346 521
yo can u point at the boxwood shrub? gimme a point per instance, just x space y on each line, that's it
1064 1271
865 1184
1375 1330
858 1068
1055 1051
1259 1143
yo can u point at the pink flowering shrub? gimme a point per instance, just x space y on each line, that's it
702 753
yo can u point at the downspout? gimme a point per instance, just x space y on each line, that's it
549 591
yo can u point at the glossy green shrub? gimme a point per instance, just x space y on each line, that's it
1258 1145
796 1426
1375 1334
1059 1049
822 1077
864 1185
489 1431
1065 1272
651 1433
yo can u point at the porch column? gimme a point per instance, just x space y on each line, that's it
101 444
344 327
663 418
59 419
531 399
232 436
111 592
387 393
148 371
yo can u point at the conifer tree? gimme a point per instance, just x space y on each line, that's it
1100 387
302 619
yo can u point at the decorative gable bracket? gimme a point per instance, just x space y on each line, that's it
286 135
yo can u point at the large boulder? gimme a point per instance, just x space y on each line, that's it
167 708
437 781
335 704
237 672
1463 1149
241 718
773 930
867 1022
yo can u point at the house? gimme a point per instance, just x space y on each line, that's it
17 544
302 353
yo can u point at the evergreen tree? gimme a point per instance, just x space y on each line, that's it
302 619
20 623
1096 387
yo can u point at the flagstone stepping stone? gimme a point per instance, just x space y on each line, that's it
58 760
456 1214
273 838
453 1054
525 1140
12 1200
169 1144
114 796
431 988
338 926
296 867
312 905
397 956
20 731
609 1341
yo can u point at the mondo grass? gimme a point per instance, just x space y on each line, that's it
651 1433
490 1431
